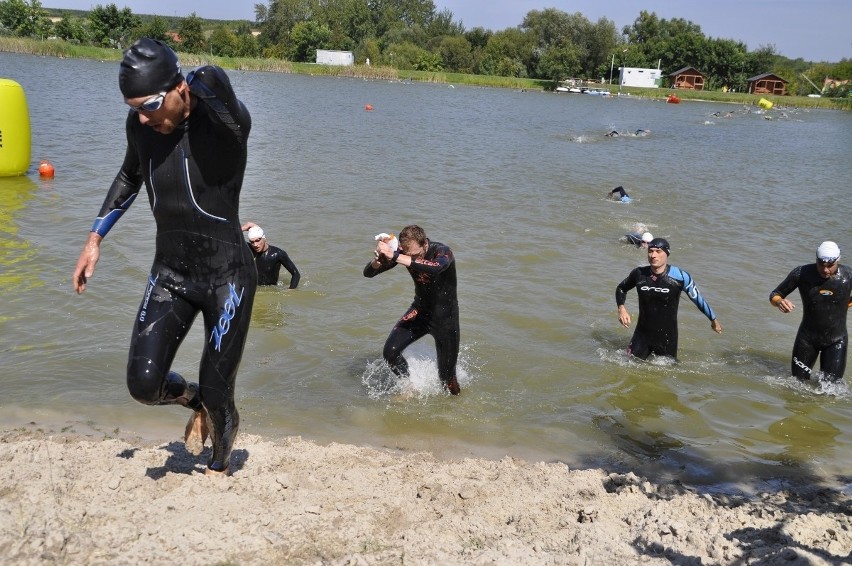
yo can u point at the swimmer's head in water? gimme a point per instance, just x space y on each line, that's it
149 66
647 237
660 244
828 252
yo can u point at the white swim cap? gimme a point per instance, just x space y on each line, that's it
647 237
255 232
828 252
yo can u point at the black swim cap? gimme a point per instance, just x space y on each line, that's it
660 244
149 66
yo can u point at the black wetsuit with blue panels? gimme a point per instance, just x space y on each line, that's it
201 264
656 329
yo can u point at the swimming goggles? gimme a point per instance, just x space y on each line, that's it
152 104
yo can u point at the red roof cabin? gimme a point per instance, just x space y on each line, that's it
688 78
767 83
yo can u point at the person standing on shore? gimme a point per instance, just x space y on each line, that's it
269 259
435 309
826 291
186 141
659 286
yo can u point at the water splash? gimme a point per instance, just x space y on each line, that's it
422 381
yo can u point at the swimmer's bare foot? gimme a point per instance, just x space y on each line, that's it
453 386
211 473
196 432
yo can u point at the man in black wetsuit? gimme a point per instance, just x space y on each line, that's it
659 286
826 291
269 259
186 141
435 309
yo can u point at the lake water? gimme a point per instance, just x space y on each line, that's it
514 182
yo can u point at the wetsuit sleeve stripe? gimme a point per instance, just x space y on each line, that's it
692 292
122 192
103 224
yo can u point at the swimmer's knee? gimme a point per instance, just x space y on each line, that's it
144 381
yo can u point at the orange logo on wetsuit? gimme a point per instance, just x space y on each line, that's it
409 315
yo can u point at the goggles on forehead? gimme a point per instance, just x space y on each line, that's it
152 104
827 261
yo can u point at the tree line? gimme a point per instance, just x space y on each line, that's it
548 44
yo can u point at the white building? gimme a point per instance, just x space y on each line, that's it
633 76
330 57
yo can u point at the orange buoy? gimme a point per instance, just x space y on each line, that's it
368 107
45 169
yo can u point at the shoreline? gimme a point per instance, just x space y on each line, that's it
92 498
60 49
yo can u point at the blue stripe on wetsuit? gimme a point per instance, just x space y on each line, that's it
691 290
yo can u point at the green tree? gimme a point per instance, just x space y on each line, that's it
191 31
306 38
111 27
456 54
247 45
510 53
156 28
71 29
223 42
403 55
25 19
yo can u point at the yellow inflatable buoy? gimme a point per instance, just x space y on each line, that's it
15 138
765 104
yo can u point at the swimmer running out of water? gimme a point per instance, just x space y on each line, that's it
435 309
825 288
186 141
658 286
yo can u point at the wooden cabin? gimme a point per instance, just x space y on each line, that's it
687 78
767 83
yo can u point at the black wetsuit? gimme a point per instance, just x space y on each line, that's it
435 311
269 264
201 264
656 330
634 238
822 332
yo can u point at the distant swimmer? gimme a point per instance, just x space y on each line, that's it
619 194
638 239
826 291
612 134
658 286
642 132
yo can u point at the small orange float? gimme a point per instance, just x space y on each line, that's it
45 169
368 107
673 99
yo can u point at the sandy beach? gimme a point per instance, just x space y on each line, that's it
72 496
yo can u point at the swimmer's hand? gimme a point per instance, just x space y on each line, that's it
716 326
87 262
624 316
783 304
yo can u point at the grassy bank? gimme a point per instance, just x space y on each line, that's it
55 48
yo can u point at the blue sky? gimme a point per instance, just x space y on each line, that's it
817 30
